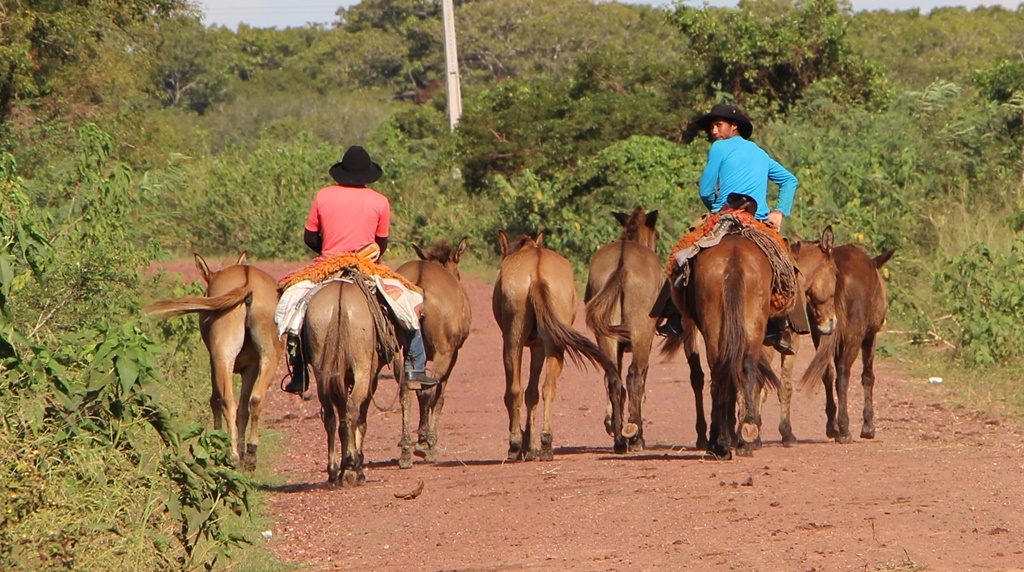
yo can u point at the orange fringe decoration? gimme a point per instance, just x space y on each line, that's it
707 222
323 268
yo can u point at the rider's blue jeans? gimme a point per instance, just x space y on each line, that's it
416 358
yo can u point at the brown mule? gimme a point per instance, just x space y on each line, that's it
236 320
624 281
341 338
816 282
861 304
534 303
445 322
728 298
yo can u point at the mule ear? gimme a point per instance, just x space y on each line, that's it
502 243
540 239
204 268
461 248
419 251
242 258
621 217
826 240
884 257
652 218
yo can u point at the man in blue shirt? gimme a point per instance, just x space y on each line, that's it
737 166
737 175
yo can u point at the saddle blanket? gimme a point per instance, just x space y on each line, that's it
405 304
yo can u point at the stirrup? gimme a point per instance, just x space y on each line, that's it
671 327
781 343
419 380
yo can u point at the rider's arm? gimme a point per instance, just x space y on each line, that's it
313 240
787 186
382 242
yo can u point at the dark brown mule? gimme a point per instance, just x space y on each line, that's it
341 337
236 320
624 282
534 304
727 297
860 306
445 322
816 282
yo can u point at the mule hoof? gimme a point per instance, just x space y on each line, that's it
750 432
532 455
420 451
629 430
867 433
844 439
789 441
636 444
702 443
831 432
547 455
405 460
620 446
353 479
721 454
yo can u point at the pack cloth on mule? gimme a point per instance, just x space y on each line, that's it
709 230
404 299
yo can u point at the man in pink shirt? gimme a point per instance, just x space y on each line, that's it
344 218
348 216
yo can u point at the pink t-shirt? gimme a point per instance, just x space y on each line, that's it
348 218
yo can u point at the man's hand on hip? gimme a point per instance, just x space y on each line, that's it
775 219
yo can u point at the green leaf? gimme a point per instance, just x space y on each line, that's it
128 372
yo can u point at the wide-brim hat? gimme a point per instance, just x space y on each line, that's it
356 168
725 111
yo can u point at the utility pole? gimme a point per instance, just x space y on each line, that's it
451 64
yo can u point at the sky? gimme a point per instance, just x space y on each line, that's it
286 13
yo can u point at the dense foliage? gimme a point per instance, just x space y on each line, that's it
130 131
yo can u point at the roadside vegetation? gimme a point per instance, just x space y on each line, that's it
132 132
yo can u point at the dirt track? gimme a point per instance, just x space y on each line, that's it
936 489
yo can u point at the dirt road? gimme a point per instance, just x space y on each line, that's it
937 489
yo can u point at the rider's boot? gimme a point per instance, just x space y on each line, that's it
416 375
297 367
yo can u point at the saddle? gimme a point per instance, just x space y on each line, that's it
359 268
738 218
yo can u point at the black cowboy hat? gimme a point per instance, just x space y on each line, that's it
356 169
725 111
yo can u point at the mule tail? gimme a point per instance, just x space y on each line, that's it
733 346
828 346
884 257
565 338
192 304
599 308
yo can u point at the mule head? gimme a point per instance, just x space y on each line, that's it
639 226
524 241
444 254
817 278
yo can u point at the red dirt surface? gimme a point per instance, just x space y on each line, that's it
938 488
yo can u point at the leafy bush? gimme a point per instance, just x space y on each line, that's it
984 291
94 468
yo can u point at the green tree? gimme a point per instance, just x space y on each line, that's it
766 53
52 46
191 63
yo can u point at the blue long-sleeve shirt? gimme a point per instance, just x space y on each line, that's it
736 165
